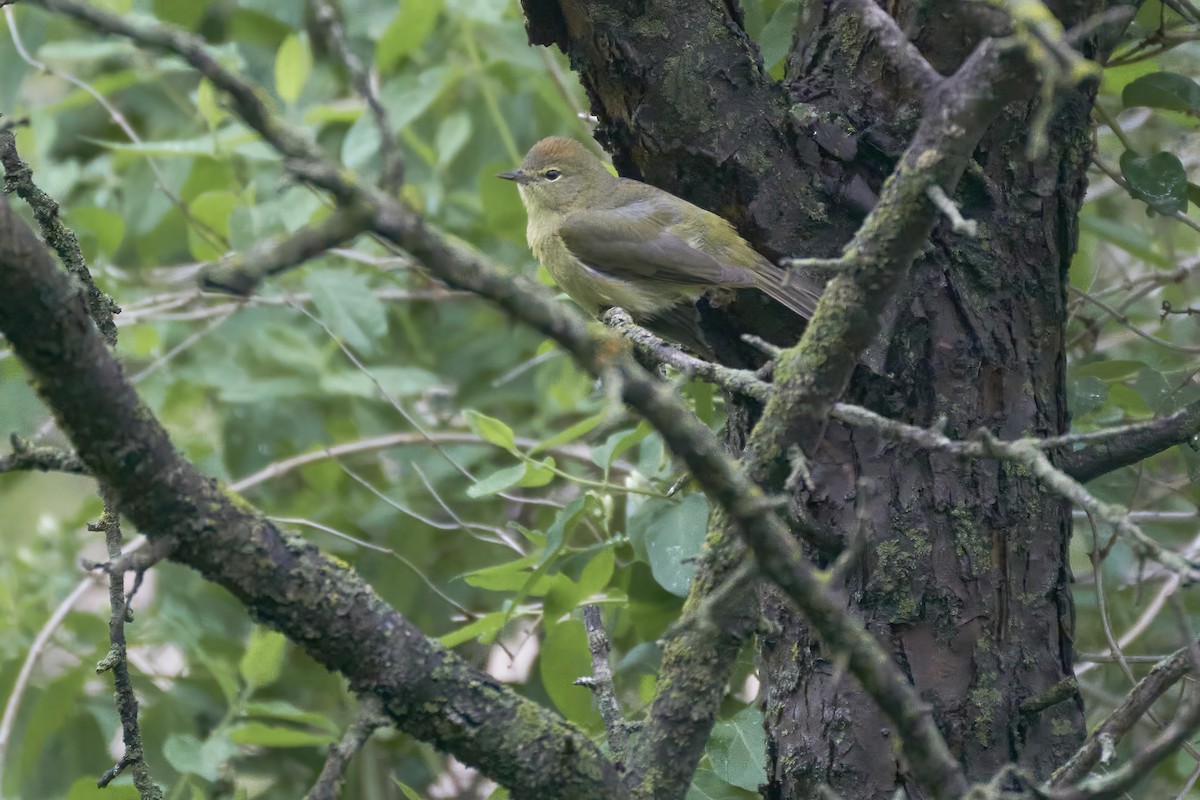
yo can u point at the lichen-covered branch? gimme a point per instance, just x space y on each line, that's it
1124 717
18 179
904 55
1134 445
27 456
283 581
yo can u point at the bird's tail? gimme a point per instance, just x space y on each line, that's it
797 291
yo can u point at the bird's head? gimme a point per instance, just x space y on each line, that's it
559 176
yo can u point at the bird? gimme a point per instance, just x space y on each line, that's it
613 242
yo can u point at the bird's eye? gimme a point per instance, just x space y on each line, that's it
553 174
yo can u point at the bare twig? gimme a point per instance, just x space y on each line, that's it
366 83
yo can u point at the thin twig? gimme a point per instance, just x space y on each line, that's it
127 705
601 683
370 718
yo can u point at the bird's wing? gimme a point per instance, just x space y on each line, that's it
634 242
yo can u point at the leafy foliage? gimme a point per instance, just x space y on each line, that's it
508 487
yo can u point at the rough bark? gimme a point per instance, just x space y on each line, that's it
965 577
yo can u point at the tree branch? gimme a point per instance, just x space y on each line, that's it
365 83
241 273
601 683
1104 737
26 456
18 178
904 55
1134 445
283 581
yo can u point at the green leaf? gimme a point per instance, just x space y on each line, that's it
618 443
1086 395
286 712
670 534
738 749
537 473
407 31
1159 180
1108 370
207 105
513 576
262 662
497 482
408 792
480 628
185 15
1152 387
570 434
360 148
212 209
563 658
492 430
1167 90
396 381
706 785
263 735
1128 400
776 37
187 754
1128 238
346 304
506 577
106 226
293 65
408 100
452 134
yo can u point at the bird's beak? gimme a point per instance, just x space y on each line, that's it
514 175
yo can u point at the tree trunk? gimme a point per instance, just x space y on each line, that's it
964 575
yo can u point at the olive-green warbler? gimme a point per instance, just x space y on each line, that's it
611 241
